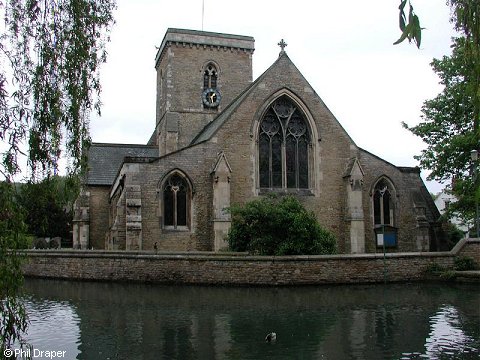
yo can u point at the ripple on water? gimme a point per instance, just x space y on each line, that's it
446 337
53 322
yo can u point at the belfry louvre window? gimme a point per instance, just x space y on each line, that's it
175 202
283 144
382 204
210 77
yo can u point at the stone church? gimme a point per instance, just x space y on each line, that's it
220 138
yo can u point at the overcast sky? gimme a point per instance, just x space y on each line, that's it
343 48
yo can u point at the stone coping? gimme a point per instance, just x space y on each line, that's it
468 273
204 38
236 256
219 256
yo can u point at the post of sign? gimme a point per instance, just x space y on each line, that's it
382 217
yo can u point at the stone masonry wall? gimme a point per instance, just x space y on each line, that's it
180 87
235 269
99 223
472 250
332 149
405 183
196 163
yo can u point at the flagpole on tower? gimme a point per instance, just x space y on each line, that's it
203 11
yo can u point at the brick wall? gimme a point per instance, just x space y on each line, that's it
235 269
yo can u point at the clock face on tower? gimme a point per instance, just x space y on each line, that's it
211 97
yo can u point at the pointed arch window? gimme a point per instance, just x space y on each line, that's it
176 202
383 207
283 145
210 76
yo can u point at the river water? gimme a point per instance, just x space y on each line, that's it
89 320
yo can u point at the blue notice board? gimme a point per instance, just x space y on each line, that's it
387 234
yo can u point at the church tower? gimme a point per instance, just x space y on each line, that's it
198 74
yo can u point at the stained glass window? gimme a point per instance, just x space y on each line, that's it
283 146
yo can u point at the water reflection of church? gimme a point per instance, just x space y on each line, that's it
220 138
137 321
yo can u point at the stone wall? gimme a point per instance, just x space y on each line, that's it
196 163
471 250
180 65
237 269
99 222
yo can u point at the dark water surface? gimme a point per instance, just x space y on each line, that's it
137 321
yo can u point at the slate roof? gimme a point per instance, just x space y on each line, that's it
104 160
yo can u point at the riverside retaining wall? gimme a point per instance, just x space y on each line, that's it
239 269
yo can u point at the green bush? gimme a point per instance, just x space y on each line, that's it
464 263
434 268
278 226
48 206
448 275
453 234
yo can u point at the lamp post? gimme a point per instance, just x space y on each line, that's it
474 157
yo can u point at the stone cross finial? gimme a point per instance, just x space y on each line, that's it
282 45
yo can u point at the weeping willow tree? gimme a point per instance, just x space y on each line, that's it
50 55
49 82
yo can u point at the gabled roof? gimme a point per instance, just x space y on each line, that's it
104 160
211 128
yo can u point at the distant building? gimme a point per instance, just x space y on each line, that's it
443 201
220 138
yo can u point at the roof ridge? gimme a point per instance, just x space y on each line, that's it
98 144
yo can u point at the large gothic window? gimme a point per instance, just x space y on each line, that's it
283 145
175 202
383 208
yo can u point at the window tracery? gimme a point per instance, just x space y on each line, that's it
283 144
176 201
383 207
210 76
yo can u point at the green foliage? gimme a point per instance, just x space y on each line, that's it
464 263
466 19
49 80
448 275
434 268
451 120
13 319
448 128
48 206
50 53
278 226
410 26
453 234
